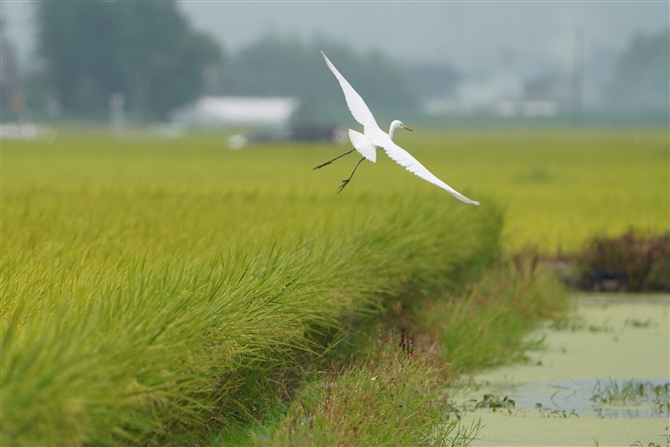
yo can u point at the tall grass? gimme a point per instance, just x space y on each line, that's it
137 310
484 325
396 391
387 399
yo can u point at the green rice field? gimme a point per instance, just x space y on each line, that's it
153 286
558 188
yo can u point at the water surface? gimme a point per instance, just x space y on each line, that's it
611 340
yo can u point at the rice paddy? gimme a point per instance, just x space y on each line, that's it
562 188
559 188
159 288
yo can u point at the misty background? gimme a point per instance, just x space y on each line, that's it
569 62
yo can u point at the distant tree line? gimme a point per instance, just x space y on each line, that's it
641 80
148 52
288 66
145 51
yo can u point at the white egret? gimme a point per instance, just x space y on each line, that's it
373 137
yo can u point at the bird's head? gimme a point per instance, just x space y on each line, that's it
395 125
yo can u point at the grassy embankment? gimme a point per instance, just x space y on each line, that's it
173 291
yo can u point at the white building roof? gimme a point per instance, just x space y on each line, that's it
239 110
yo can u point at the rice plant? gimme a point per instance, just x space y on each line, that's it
144 310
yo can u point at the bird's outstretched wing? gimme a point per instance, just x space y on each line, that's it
403 158
358 108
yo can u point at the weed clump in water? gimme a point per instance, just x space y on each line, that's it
645 260
633 392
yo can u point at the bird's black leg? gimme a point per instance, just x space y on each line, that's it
346 182
330 161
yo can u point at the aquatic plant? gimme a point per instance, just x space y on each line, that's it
617 392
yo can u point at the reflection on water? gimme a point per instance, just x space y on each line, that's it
614 398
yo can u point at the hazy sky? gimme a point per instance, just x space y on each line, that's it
472 35
538 36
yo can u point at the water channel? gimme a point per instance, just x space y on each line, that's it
601 378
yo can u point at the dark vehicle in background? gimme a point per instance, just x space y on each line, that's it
300 132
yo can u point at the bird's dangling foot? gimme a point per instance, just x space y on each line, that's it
330 161
345 182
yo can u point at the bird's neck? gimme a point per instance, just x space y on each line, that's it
392 129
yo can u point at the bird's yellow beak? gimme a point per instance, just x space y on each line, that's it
406 128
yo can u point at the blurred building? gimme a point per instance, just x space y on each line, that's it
508 96
498 94
547 95
238 111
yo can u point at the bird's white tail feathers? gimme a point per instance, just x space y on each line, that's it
363 145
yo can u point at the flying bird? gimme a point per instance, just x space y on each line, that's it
373 137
